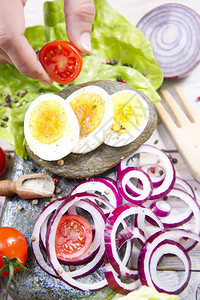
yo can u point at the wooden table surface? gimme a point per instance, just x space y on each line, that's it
133 10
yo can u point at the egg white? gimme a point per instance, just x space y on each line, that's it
63 146
95 138
116 139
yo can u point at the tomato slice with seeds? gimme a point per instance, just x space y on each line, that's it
73 237
61 60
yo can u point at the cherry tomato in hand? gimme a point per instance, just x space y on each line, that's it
12 245
73 237
3 161
61 60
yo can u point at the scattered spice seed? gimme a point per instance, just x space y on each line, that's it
33 169
16 93
19 207
58 190
41 91
18 104
5 118
32 238
119 78
22 93
174 160
123 80
15 100
72 268
35 201
155 142
55 180
125 65
61 162
2 124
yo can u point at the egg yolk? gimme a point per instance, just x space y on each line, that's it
48 121
89 109
129 112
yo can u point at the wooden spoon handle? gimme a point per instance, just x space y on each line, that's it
7 188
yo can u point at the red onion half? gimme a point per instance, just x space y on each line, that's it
173 30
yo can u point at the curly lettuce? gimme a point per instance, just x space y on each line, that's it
113 37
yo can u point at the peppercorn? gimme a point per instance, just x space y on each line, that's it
2 124
174 160
123 80
119 78
5 118
125 65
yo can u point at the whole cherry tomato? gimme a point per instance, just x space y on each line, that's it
61 60
3 161
13 245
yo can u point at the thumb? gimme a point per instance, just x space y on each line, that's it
79 16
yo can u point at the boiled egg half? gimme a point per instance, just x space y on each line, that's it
51 128
131 114
94 110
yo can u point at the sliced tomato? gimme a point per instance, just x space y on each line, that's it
73 237
61 60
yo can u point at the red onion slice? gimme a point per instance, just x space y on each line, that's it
153 242
173 30
123 180
181 214
180 183
169 179
161 208
91 266
165 248
112 224
116 284
100 187
44 215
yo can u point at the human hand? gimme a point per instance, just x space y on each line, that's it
14 47
79 16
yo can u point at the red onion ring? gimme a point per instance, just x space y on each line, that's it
67 276
166 247
123 180
44 215
169 179
175 218
116 284
161 208
153 242
112 224
101 187
180 183
173 30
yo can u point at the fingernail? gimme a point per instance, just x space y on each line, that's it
86 41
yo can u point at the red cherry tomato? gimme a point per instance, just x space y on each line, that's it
61 60
12 245
73 237
2 161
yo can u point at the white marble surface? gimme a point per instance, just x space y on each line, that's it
133 10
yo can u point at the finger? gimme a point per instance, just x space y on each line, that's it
79 16
3 59
25 59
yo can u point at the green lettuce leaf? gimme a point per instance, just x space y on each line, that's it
113 37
